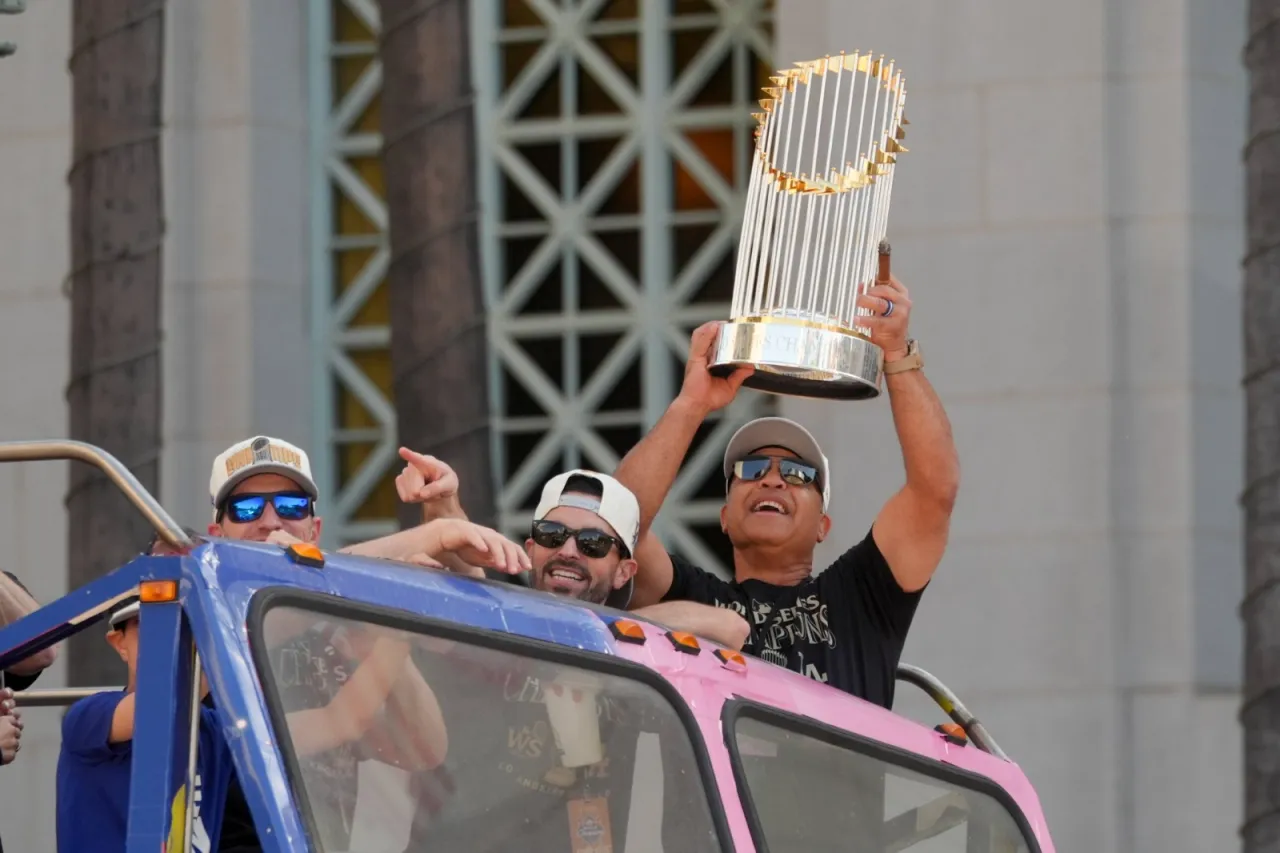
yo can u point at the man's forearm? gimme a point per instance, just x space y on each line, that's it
414 715
395 546
445 508
16 603
405 545
450 508
650 468
718 624
924 432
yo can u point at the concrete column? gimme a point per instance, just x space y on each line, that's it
237 297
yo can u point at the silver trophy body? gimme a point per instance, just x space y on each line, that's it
813 229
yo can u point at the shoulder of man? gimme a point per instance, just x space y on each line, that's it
87 723
694 583
863 554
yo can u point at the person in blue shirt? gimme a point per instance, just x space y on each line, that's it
97 750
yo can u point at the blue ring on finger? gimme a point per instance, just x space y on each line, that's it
888 310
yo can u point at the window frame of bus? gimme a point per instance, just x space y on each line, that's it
269 598
737 708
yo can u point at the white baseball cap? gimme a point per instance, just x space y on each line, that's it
259 455
123 613
779 432
615 504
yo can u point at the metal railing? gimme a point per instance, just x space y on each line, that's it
57 697
39 451
954 708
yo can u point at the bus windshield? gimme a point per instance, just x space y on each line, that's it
403 739
859 797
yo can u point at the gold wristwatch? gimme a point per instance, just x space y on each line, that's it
913 360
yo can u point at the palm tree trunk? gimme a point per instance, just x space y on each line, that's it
439 349
1260 714
117 63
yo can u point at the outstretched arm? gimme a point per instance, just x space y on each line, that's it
447 536
911 530
650 468
356 707
718 624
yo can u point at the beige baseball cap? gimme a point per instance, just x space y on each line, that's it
259 455
779 432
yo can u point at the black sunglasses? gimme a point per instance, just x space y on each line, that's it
593 543
794 472
289 506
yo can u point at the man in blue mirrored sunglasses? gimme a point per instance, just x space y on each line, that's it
262 490
262 485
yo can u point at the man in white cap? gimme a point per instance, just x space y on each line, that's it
581 544
515 791
845 626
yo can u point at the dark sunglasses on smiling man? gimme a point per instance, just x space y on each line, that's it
592 542
794 472
289 506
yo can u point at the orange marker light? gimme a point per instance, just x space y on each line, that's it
684 642
306 554
733 660
156 592
953 732
626 631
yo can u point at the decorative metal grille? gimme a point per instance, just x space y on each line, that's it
354 438
614 148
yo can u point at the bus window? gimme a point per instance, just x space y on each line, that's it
543 753
858 798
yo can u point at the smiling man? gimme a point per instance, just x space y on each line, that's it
847 624
581 543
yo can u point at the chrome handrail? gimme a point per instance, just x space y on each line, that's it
954 708
57 697
36 451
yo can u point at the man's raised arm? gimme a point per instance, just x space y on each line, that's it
650 468
911 530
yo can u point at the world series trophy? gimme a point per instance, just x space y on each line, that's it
813 229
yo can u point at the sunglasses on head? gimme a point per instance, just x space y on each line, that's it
289 506
794 472
593 543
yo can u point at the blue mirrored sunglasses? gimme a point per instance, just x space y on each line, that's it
289 506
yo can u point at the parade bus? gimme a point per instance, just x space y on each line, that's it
709 749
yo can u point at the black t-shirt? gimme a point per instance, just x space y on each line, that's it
845 627
503 788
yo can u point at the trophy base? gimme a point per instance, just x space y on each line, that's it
800 360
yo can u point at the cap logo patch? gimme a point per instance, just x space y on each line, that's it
268 453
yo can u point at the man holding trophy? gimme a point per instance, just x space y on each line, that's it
815 313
